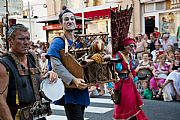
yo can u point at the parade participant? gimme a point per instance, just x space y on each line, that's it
172 82
19 75
129 107
75 99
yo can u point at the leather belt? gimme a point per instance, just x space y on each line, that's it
123 75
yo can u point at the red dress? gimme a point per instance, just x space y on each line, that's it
130 99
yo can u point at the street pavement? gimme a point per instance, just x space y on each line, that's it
101 108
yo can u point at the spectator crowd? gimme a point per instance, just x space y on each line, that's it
156 61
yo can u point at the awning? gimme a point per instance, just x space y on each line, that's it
55 18
151 1
89 14
59 27
98 14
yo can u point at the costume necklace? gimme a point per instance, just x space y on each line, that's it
126 60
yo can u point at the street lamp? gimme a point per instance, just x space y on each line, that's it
30 11
7 28
30 30
82 16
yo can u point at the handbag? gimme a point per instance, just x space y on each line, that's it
116 95
143 74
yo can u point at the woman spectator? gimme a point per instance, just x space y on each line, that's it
155 53
141 46
160 73
153 40
166 41
129 107
148 41
172 83
144 71
169 53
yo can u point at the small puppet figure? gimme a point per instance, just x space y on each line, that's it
96 51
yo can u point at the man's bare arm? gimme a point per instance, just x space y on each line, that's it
5 113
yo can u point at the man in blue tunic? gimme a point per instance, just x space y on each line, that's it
75 99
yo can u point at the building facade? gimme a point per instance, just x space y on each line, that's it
99 13
28 15
164 14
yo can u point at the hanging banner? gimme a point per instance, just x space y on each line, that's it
120 23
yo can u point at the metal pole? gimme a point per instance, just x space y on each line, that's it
82 16
7 26
29 14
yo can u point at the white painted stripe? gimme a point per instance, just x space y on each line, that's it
101 100
58 117
98 109
56 107
89 109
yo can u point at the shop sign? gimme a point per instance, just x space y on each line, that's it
52 27
175 4
59 27
79 26
97 14
151 1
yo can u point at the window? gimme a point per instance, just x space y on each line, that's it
149 7
160 6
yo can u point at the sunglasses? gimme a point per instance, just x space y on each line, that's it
130 45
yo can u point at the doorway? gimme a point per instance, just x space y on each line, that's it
149 24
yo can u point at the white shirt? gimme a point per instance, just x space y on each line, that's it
43 65
166 44
154 55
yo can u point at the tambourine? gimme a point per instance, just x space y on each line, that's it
52 91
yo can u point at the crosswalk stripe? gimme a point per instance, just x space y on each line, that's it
101 100
89 109
98 109
58 117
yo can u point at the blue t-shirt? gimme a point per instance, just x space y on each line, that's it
72 95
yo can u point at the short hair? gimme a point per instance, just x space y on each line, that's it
166 34
163 56
156 28
16 27
64 10
150 55
145 53
177 50
43 54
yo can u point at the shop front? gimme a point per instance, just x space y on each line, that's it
100 19
55 30
169 20
163 14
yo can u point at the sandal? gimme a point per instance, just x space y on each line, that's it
159 96
177 98
154 97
